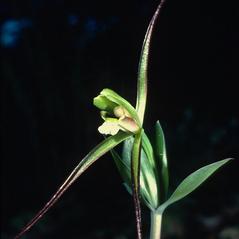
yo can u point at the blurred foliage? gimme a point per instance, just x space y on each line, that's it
57 55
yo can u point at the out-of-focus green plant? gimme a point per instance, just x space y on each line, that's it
143 166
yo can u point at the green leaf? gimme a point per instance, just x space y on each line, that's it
148 184
86 162
124 168
127 150
161 161
143 69
149 175
148 149
192 182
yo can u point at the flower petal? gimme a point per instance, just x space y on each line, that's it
120 111
128 124
111 128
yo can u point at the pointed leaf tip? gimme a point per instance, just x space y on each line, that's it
192 182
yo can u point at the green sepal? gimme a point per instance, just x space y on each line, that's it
104 104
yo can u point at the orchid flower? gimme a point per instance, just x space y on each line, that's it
116 117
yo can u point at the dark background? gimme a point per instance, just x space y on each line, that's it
57 55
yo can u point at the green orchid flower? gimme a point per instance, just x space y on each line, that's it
116 117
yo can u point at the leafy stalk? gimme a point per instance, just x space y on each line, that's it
86 162
140 108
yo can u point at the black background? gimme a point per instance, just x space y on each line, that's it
65 56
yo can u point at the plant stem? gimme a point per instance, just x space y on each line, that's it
155 227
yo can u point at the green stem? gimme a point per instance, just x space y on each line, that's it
155 227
